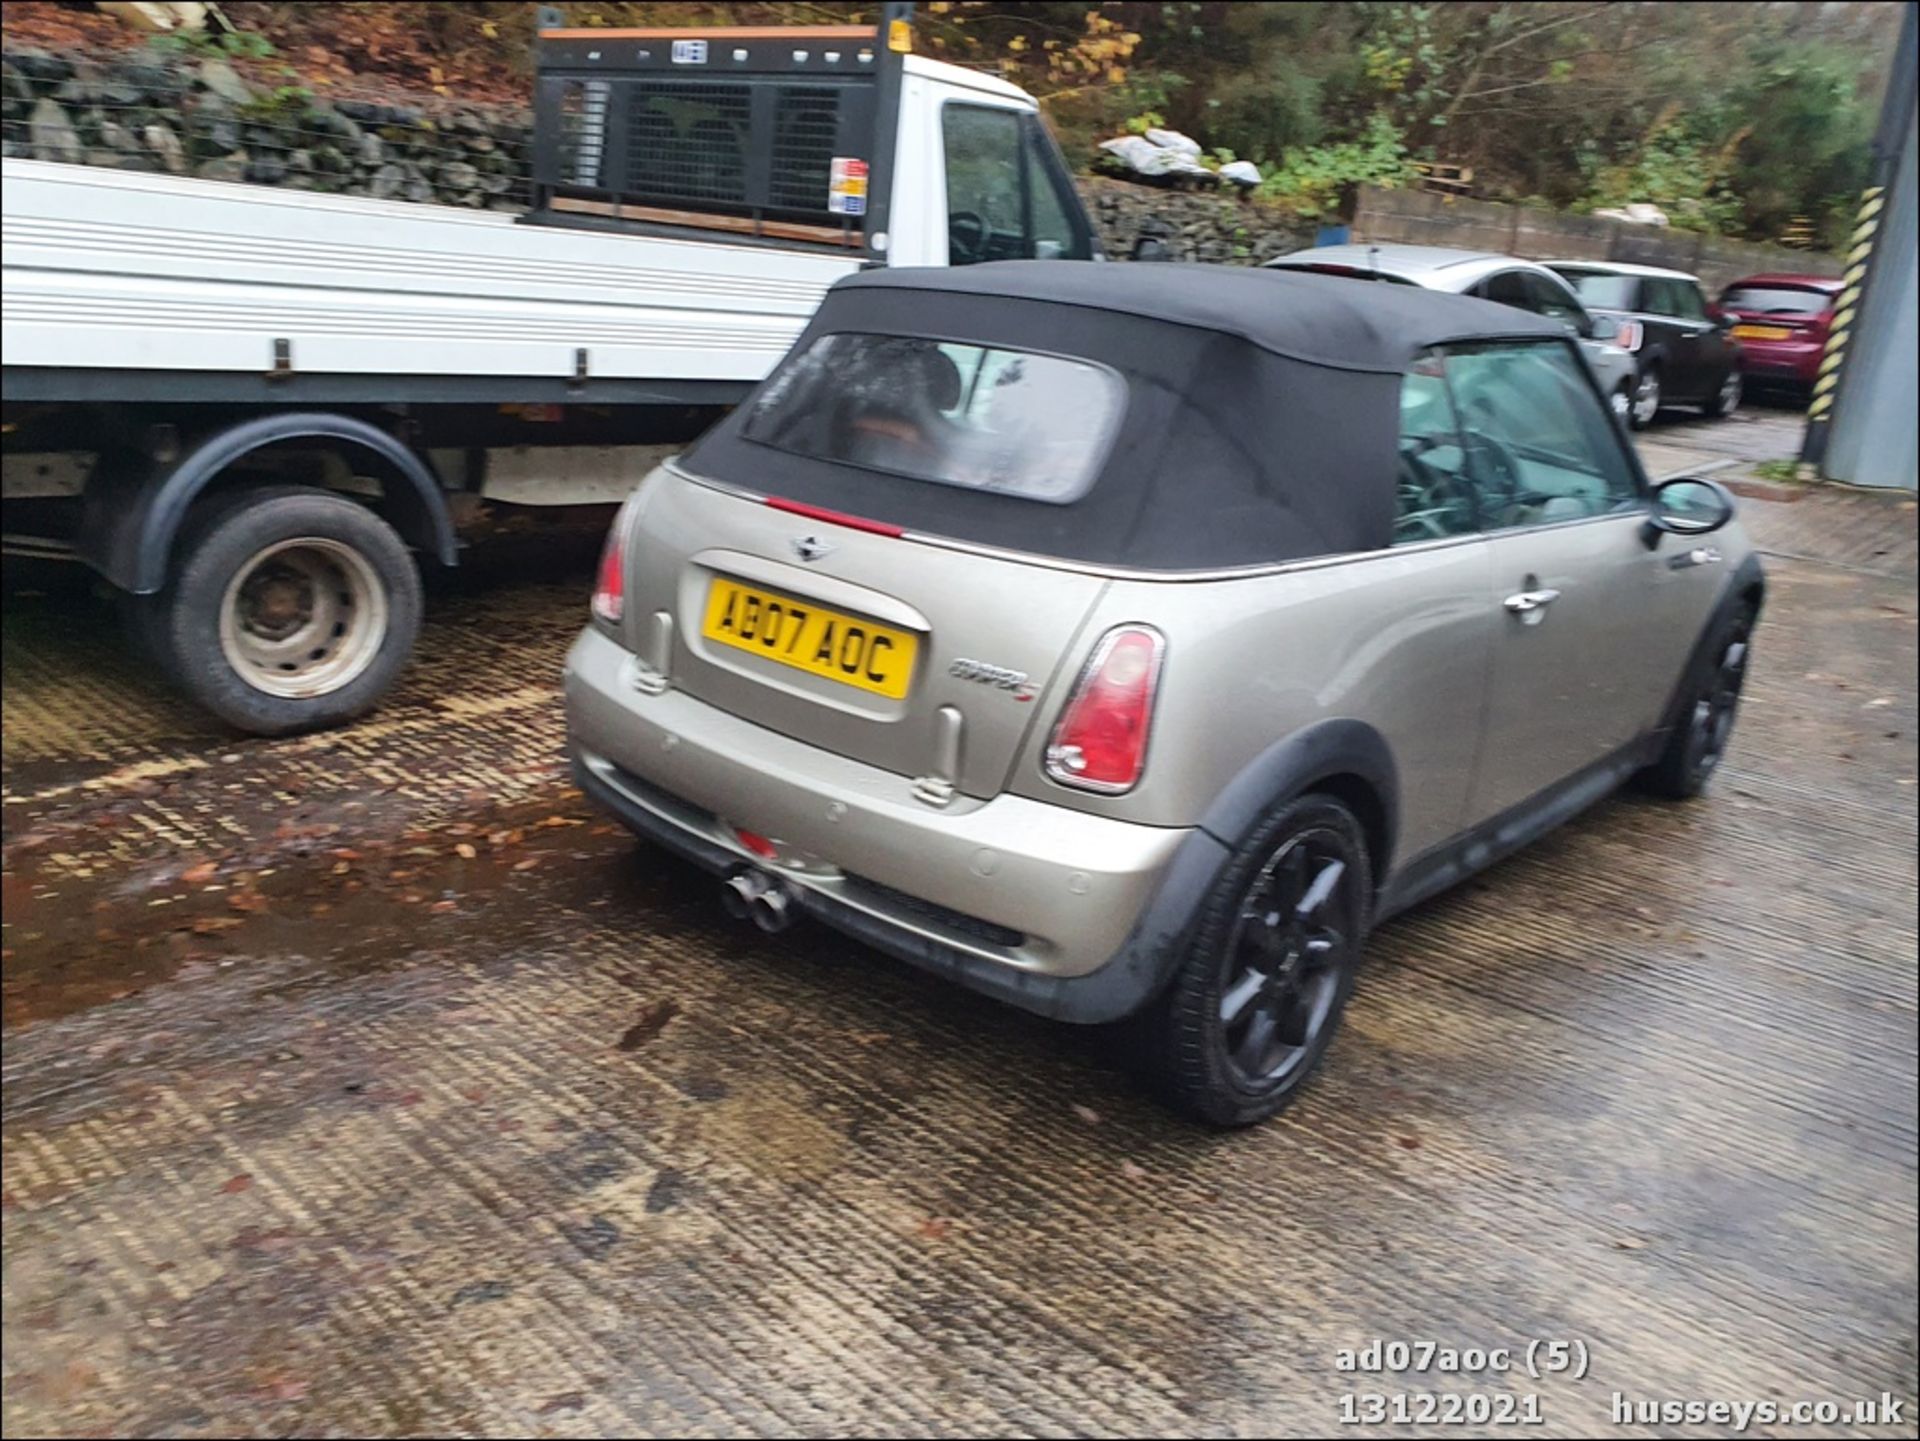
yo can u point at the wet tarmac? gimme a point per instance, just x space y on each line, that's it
371 1082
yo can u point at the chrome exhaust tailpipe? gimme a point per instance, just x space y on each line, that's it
755 896
739 891
772 908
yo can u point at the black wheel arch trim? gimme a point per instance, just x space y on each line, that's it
135 507
1324 751
1746 585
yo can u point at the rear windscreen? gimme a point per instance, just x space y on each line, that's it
984 418
1600 290
1776 300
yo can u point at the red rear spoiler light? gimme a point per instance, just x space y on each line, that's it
835 517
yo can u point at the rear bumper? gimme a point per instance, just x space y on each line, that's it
1788 360
1069 915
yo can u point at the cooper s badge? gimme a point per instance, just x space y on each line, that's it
1012 681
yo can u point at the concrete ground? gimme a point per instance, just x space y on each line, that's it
370 1082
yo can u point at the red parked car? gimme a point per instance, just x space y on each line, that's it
1781 323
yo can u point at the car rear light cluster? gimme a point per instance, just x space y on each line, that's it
1100 743
610 587
1632 332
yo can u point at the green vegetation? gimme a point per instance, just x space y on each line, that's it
237 44
1746 120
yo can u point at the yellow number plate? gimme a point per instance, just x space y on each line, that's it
811 638
1761 332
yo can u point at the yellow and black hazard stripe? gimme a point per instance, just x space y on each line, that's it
1873 200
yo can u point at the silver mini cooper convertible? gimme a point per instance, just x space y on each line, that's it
1126 640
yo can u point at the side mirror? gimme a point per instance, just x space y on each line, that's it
1605 327
1725 321
1151 247
1685 507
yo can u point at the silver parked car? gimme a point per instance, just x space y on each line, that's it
1503 279
1128 640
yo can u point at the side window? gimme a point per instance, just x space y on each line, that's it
1056 232
1509 287
1434 499
986 209
1659 296
1550 299
1539 445
1690 303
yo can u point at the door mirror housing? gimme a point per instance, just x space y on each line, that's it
1687 506
1605 327
1724 321
1151 247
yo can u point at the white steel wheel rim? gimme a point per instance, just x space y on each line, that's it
1622 402
303 618
1730 393
1646 398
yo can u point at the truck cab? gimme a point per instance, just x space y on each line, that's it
260 453
830 136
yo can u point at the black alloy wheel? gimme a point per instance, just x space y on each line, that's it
1259 994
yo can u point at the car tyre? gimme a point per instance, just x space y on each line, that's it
1259 993
1726 399
1646 398
293 609
1704 727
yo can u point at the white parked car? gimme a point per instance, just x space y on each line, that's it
1503 279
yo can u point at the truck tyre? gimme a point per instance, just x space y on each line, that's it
292 608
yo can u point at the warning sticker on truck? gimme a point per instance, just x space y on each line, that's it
847 186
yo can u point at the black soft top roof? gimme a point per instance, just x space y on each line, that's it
1315 318
1261 421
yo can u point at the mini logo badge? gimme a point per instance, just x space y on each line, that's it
810 547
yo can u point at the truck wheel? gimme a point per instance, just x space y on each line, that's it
293 609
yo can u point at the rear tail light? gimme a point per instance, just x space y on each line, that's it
610 589
1100 743
1632 332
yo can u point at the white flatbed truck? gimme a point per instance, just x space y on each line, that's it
249 409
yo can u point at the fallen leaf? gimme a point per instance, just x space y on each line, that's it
443 905
653 1020
247 901
236 1184
935 1228
1628 1243
1132 1171
209 925
1412 1143
1087 1114
528 864
465 851
205 871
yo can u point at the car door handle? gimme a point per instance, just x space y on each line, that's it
1525 602
1699 555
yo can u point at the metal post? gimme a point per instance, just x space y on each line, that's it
892 43
1887 139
